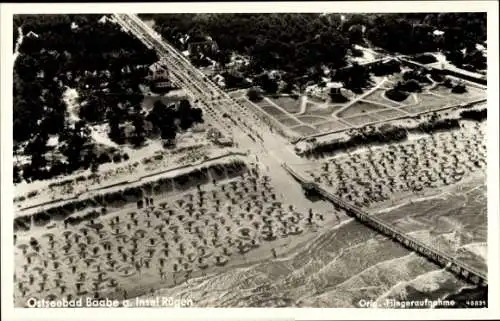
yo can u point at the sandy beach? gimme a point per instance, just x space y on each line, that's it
129 251
176 240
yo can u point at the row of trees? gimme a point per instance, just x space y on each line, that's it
362 137
133 194
391 134
477 115
434 125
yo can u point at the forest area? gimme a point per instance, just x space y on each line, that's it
74 51
105 66
301 44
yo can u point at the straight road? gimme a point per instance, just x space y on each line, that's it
269 149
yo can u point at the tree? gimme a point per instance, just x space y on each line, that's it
91 109
410 85
476 59
425 58
16 174
223 57
184 114
255 94
337 97
139 134
355 34
94 167
269 85
354 78
115 131
75 142
447 83
386 68
396 94
456 57
38 145
459 89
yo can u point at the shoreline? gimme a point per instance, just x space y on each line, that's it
428 194
289 253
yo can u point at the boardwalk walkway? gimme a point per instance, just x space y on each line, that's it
442 259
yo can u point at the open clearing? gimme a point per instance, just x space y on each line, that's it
390 113
287 103
472 94
429 102
273 111
359 108
378 96
361 120
289 122
330 126
313 119
304 130
321 110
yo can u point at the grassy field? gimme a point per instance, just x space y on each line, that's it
312 119
318 110
473 93
389 114
287 103
374 107
441 90
429 102
262 103
416 109
273 111
358 108
288 122
333 125
476 93
304 130
377 96
316 100
361 120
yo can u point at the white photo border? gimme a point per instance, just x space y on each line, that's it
178 314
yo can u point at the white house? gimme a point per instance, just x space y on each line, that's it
32 34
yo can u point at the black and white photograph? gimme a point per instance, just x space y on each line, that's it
169 159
